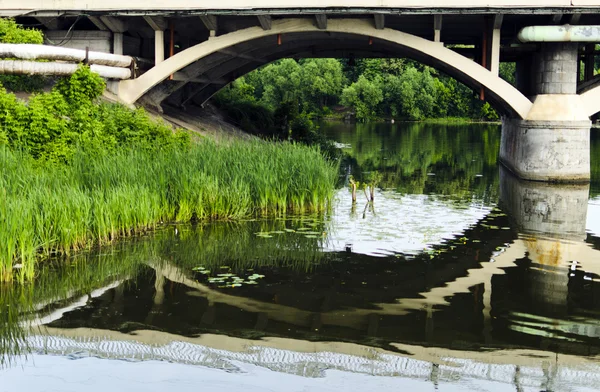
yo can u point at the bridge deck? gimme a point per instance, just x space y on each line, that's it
22 7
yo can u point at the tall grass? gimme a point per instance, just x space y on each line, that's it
47 209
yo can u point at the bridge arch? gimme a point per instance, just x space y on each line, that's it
504 95
591 100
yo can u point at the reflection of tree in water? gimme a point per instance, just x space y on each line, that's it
462 158
292 243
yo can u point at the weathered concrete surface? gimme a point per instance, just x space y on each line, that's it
551 144
552 70
543 210
97 41
556 69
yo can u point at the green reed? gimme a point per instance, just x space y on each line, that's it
48 209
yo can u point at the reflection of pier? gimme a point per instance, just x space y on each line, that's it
460 301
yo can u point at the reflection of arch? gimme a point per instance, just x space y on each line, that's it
429 52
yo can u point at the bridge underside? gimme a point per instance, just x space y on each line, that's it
197 82
546 122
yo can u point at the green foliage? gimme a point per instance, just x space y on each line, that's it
364 96
488 113
13 33
507 72
314 83
371 88
50 208
83 87
53 124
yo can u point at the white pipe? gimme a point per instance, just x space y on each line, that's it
565 33
46 52
18 67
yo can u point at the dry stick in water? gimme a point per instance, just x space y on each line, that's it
353 185
367 196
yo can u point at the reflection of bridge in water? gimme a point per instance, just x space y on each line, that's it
486 295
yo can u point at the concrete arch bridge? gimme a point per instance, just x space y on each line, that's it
546 123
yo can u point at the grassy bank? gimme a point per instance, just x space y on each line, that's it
49 208
56 208
77 172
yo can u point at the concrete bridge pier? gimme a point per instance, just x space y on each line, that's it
552 143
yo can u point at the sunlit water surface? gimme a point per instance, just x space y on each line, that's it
456 277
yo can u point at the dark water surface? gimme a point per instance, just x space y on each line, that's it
457 277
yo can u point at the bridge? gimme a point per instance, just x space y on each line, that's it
545 121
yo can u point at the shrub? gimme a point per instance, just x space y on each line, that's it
13 33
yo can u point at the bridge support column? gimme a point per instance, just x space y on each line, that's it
553 142
117 43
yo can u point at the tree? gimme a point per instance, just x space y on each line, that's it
364 96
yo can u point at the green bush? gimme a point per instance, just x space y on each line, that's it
13 33
53 124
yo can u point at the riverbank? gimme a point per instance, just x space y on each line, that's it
342 118
50 209
78 172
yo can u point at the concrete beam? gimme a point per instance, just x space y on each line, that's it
210 22
98 23
321 20
50 23
265 21
182 77
117 43
495 47
574 19
242 56
437 28
156 22
159 46
115 25
556 18
379 21
109 23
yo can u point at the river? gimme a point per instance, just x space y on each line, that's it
456 277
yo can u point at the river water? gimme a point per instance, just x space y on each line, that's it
456 277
